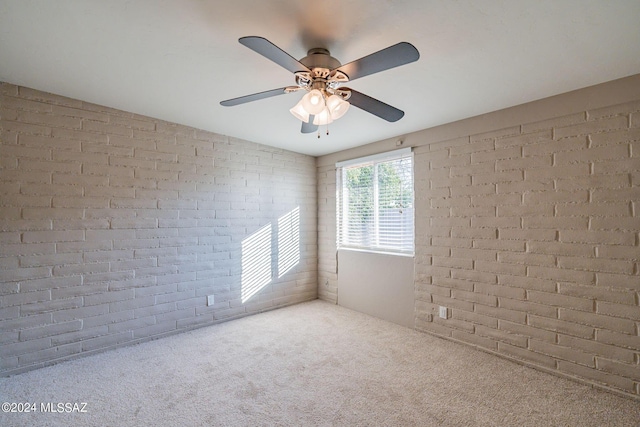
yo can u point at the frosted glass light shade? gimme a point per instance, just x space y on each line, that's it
337 106
299 112
323 118
313 102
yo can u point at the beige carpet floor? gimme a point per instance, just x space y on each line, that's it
312 364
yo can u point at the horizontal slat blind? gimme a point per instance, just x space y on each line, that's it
375 203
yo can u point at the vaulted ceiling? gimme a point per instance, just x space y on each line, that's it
176 60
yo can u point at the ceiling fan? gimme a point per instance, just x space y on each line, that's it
323 78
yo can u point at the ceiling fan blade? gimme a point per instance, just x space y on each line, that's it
270 51
373 106
309 127
391 57
253 97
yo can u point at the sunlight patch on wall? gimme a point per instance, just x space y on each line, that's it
260 254
288 241
256 262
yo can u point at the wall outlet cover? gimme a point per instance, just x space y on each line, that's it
210 300
444 313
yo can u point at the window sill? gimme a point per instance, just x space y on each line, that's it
372 251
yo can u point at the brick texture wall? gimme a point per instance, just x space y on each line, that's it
530 235
114 228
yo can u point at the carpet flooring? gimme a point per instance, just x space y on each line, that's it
311 364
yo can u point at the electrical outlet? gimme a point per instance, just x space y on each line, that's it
444 312
210 300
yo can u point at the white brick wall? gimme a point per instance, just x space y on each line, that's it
534 243
115 227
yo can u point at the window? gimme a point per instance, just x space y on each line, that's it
375 202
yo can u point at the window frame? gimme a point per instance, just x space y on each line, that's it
342 207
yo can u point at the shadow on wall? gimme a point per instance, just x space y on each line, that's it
272 250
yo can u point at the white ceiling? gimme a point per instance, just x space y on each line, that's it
176 60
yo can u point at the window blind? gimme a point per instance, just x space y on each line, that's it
375 202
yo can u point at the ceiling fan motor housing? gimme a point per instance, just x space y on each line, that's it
319 58
324 75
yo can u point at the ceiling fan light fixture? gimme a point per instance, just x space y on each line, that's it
313 102
323 77
299 112
323 118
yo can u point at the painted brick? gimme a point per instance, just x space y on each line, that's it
530 210
598 293
526 163
598 320
620 109
561 326
474 297
537 197
452 303
474 276
599 349
618 252
25 273
502 313
599 376
85 268
594 181
460 284
106 341
609 152
556 300
527 307
596 126
629 224
527 235
617 339
527 331
524 187
502 335
500 133
548 124
499 291
616 137
526 354
614 195
524 139
609 166
617 310
601 237
562 352
617 281
545 174
498 154
619 209
526 258
475 339
591 264
475 318
135 324
622 369
497 177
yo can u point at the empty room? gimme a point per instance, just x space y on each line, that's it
340 213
